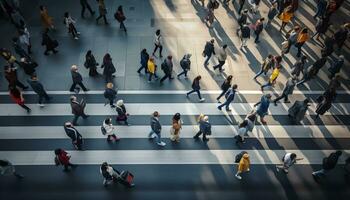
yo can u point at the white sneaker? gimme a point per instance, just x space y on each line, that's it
277 169
161 144
41 105
202 99
78 33
76 38
238 176
152 136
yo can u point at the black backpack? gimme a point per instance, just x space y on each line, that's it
239 156
103 130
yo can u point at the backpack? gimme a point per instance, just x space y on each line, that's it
239 156
163 66
103 130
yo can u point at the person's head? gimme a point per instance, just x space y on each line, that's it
73 98
34 77
107 57
42 7
278 59
66 14
88 52
262 19
268 96
155 114
109 85
212 41
68 124
144 51
229 78
120 102
120 8
270 56
338 153
198 78
206 118
188 56
58 151
245 11
225 46
177 116
108 120
293 156
104 165
234 86
151 59
304 30
74 68
158 32
296 28
170 57
306 101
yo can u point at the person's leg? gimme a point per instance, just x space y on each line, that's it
278 98
207 60
221 63
302 81
150 77
164 77
73 87
319 172
141 67
299 50
82 86
198 134
190 92
160 50
90 10
151 134
286 100
65 168
227 105
123 26
17 175
40 99
265 85
221 94
158 138
98 18
75 119
257 37
82 11
199 94
183 72
155 49
21 85
204 138
25 107
259 73
105 19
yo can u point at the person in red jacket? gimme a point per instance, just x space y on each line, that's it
62 158
17 96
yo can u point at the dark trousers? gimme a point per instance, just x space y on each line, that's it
73 30
104 18
299 45
19 84
259 73
143 66
165 77
150 76
83 9
108 78
221 63
207 59
43 96
198 93
226 104
24 106
160 49
66 167
257 37
122 26
222 94
240 8
184 72
110 137
285 96
75 84
75 119
200 133
111 101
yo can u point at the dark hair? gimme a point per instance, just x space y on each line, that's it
278 59
120 8
262 19
198 77
177 116
144 50
107 57
304 30
234 86
225 46
66 14
252 117
293 156
41 7
58 151
306 101
170 57
108 120
158 32
270 56
4 163
88 52
243 124
155 114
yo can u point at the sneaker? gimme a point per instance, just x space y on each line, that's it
152 136
161 143
286 101
277 169
202 99
238 176
41 105
78 33
219 108
228 110
186 77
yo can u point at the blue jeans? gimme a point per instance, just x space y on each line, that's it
226 103
266 84
259 73
157 135
320 172
207 59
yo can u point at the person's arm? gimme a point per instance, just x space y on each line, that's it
257 103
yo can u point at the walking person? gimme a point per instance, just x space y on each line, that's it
242 131
102 11
46 19
167 67
245 35
225 87
38 88
77 79
108 173
175 128
91 64
204 128
336 66
185 64
122 114
298 67
69 22
108 68
321 8
24 37
287 90
334 83
266 66
49 43
321 27
158 43
286 16
292 37
289 159
258 28
77 109
208 51
110 94
63 158
273 78
298 110
243 165
85 4
144 59
263 107
241 5
19 49
120 17
313 70
17 96
156 129
325 102
12 78
222 55
152 69
108 129
230 95
242 20
273 11
196 88
74 135
209 18
7 169
328 163
28 66
303 36
341 35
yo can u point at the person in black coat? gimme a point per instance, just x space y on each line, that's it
321 27
245 35
242 19
19 49
28 66
77 79
77 109
144 60
110 94
224 87
196 88
185 64
85 4
38 88
90 63
287 90
208 51
325 102
167 67
49 43
73 133
108 68
328 163
313 70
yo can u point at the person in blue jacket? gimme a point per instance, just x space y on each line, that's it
263 107
230 96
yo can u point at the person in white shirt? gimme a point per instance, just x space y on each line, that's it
158 43
108 129
222 55
289 159
69 22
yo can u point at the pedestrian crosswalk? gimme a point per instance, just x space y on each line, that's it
29 139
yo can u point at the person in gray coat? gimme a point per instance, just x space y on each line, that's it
185 64
204 128
156 129
167 67
38 88
287 90
298 110
6 169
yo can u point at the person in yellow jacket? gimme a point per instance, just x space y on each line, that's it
303 36
286 16
243 166
152 68
273 77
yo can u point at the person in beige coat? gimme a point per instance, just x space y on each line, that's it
176 127
46 19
